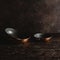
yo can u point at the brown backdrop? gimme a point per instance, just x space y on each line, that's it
30 16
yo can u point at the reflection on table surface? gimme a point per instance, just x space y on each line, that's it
31 48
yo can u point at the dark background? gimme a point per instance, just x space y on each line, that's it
29 17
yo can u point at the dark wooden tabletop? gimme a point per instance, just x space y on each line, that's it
35 50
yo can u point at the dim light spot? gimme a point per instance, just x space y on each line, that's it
10 31
48 39
38 35
25 40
